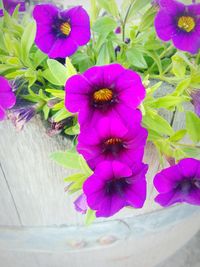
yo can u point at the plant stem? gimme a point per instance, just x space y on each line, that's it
173 116
161 56
187 145
125 20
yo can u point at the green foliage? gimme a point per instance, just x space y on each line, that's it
193 126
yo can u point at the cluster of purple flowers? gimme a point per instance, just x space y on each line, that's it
111 137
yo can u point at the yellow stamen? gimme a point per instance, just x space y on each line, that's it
113 141
65 28
186 23
103 95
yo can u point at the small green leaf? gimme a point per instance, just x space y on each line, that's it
193 126
59 71
67 159
178 66
135 57
178 135
84 167
104 25
90 217
27 40
61 115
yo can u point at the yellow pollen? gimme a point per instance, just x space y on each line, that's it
65 28
103 95
186 23
113 141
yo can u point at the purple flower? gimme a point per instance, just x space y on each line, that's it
60 33
113 186
7 97
110 139
102 90
196 101
21 116
81 204
10 6
180 23
179 183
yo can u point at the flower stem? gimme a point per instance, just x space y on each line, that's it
125 20
161 56
173 116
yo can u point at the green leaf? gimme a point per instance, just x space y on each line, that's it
178 66
27 40
178 135
136 5
61 115
193 126
135 57
104 25
70 68
56 92
75 177
168 101
67 159
90 217
73 130
110 6
181 87
59 71
47 74
191 152
103 56
84 167
157 123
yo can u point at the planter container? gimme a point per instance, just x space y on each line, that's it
38 224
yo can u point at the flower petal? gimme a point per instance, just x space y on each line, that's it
165 26
45 13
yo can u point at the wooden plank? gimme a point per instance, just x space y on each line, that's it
8 211
35 181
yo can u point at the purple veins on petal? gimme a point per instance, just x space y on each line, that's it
116 187
179 183
111 139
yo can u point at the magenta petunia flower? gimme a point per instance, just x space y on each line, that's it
195 94
60 33
113 186
110 139
179 183
81 204
102 90
10 6
179 22
7 97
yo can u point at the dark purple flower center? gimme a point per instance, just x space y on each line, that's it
61 28
113 145
103 98
186 23
188 185
117 186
